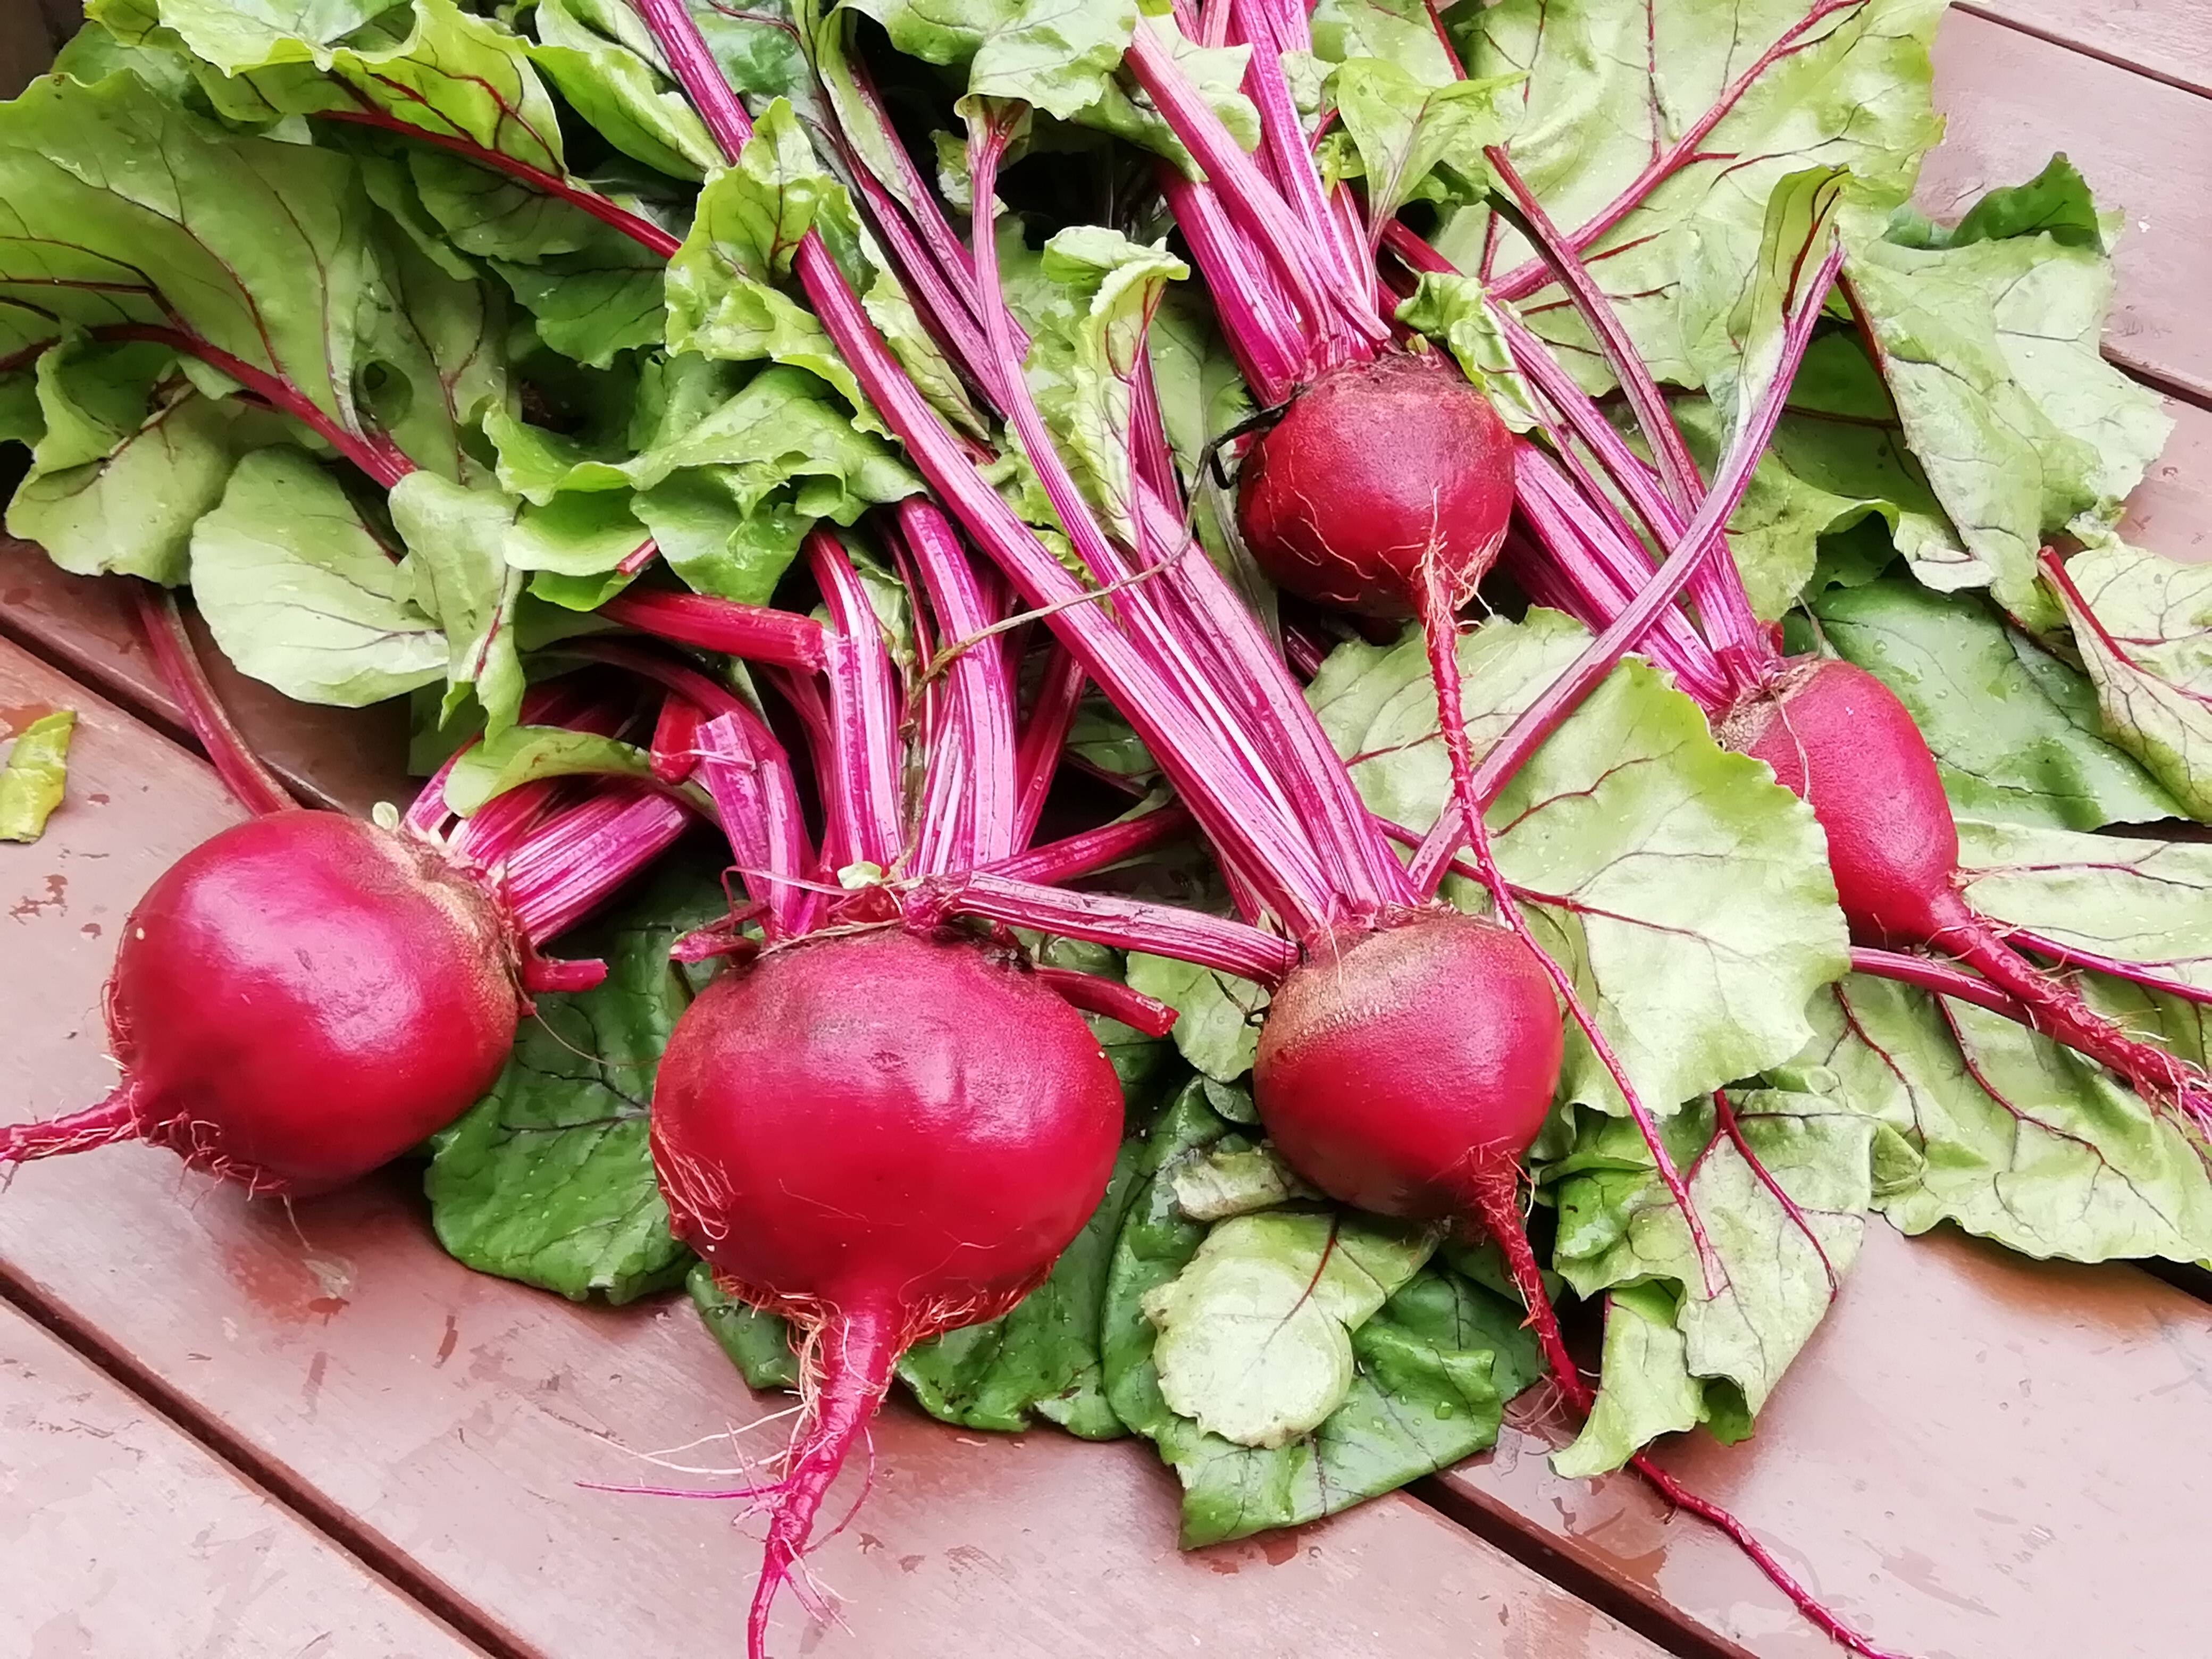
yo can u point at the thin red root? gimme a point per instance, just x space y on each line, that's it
2057 1010
853 1356
1498 1203
114 1119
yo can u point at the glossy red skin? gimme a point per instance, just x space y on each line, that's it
1370 466
1409 1068
304 997
883 1121
1839 738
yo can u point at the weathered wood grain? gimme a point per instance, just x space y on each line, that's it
122 1539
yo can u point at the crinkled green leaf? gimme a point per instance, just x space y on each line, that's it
600 56
2056 203
1254 1333
1431 1370
1220 1184
2003 1133
36 775
2015 730
433 350
1612 83
590 305
1217 1015
1991 353
300 593
750 220
232 36
1084 354
781 426
94 398
1685 892
456 542
1459 312
1404 129
528 754
710 540
1777 1272
1646 1387
2142 627
549 1179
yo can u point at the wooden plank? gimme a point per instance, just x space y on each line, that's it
2171 512
121 1538
1977 1454
346 758
443 1419
2168 40
2012 99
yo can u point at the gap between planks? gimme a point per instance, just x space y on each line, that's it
235 1453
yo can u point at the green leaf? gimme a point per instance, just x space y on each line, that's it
300 593
36 776
1837 459
1611 84
1992 350
606 299
131 512
1254 1333
2003 1133
1220 1184
1217 1015
2056 203
779 429
549 1179
2013 729
457 540
1685 892
1201 394
1055 54
1084 353
429 64
1459 312
527 754
2143 901
1400 31
1430 1371
1776 1278
601 57
2141 623
1405 130
116 206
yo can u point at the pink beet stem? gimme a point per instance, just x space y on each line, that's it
1045 734
864 707
1126 924
754 632
565 866
1095 996
757 797
253 785
1059 862
674 739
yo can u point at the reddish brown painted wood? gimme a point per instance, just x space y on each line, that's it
2171 511
120 1538
2171 39
1977 1455
350 759
443 1419
2145 147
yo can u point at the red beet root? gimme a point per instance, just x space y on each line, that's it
879 1136
1839 737
1381 475
1407 1072
296 1001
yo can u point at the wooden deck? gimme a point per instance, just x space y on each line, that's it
233 1432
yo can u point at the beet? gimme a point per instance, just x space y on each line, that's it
1838 737
1405 1072
296 1001
879 1136
1379 474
